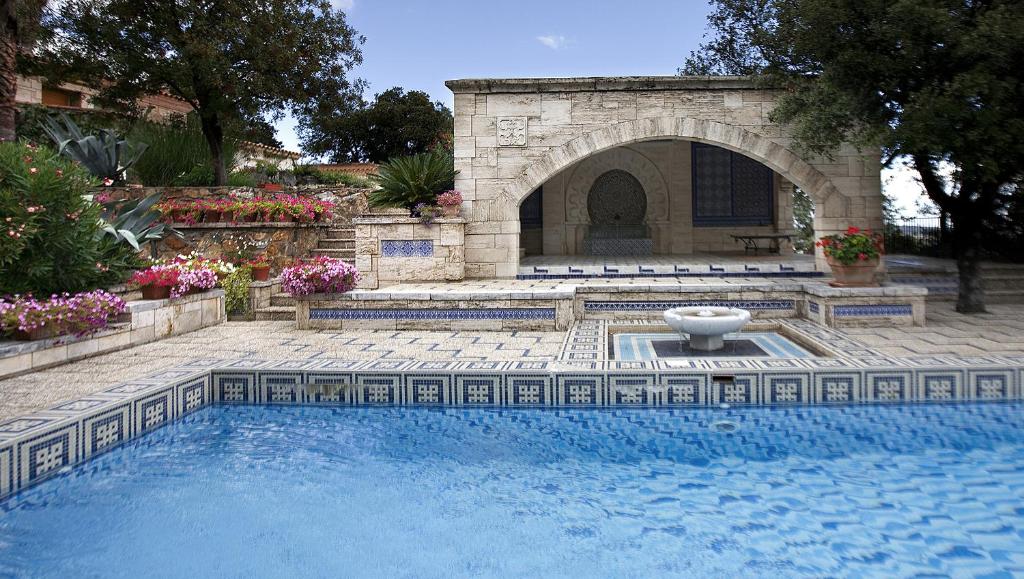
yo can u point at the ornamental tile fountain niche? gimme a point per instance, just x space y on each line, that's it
617 207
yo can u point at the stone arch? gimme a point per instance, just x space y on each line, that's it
827 198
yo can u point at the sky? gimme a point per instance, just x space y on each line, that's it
419 44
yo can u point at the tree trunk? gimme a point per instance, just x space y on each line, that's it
214 133
8 69
967 247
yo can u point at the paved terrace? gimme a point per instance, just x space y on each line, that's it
1000 332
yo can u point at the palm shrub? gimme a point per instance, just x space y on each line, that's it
177 155
410 181
52 238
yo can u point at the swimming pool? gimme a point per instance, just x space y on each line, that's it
256 491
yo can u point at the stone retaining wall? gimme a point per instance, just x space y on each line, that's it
151 320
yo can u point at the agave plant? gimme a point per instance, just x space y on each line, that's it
409 181
134 221
106 155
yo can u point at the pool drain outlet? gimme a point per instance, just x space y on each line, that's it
724 426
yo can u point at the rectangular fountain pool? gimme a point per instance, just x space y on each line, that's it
251 491
667 345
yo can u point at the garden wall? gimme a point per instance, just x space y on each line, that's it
282 242
151 320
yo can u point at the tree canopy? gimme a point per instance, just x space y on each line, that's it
232 60
936 81
395 124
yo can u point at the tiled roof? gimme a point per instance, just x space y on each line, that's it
350 168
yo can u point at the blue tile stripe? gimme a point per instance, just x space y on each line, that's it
873 311
681 272
433 314
601 306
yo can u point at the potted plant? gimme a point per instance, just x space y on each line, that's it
156 281
260 268
853 257
450 201
322 275
407 182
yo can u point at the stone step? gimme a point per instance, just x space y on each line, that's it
282 300
346 254
337 244
341 233
274 314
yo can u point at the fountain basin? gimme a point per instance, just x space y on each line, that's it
706 325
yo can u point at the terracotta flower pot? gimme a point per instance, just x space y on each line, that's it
450 210
261 273
152 292
211 216
860 274
227 216
272 186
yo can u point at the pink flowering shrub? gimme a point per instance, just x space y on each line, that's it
189 280
77 314
182 277
450 198
323 275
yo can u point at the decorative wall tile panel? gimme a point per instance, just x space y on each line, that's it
153 411
45 454
407 248
528 390
888 386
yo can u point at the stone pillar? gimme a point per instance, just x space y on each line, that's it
392 249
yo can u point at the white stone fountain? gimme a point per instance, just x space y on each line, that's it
706 325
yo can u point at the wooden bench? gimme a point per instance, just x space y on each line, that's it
751 242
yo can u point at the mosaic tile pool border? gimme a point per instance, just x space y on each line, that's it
38 446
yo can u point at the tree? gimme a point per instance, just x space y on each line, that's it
18 21
232 60
935 81
396 124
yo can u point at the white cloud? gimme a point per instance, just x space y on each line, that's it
344 5
553 41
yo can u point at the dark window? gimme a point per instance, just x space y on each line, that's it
730 189
531 212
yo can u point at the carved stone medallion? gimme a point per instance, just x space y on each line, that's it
512 131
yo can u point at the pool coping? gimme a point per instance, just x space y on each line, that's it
42 444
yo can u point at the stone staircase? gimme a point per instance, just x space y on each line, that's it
340 243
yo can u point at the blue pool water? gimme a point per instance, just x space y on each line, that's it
886 491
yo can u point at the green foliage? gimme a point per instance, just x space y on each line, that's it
935 81
854 246
408 181
313 175
803 219
232 60
57 243
395 124
105 155
31 122
135 221
236 290
178 154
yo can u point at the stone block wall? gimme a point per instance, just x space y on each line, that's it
393 249
513 135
